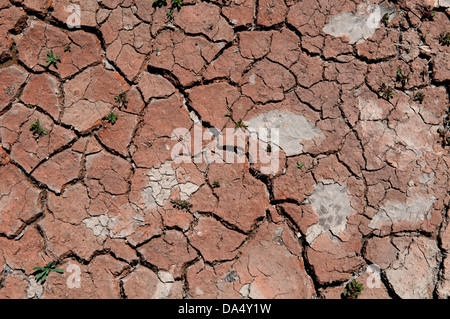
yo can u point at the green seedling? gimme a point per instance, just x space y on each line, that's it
445 134
403 78
427 13
423 37
385 18
269 148
52 59
37 130
386 92
444 131
122 99
240 124
41 273
353 290
112 118
170 13
228 115
419 97
444 38
177 3
67 47
216 184
300 165
181 204
160 3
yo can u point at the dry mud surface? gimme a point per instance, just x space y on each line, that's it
361 189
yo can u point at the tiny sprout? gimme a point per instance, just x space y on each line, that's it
159 3
112 118
240 124
300 165
216 184
177 3
419 97
37 130
52 59
386 92
427 13
402 77
42 272
385 18
170 14
444 38
444 131
353 290
122 99
181 204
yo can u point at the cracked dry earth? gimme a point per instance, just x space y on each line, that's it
362 179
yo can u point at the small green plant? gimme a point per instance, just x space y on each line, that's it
386 92
122 99
300 165
269 148
37 130
160 3
67 47
181 204
427 13
385 18
240 124
444 38
41 273
52 58
353 290
423 37
403 78
216 184
170 13
229 114
112 118
177 3
419 97
444 131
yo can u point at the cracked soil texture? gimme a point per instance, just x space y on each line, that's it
364 167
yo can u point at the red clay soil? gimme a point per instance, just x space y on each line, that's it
88 178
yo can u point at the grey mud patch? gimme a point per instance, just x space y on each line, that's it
392 212
413 273
332 204
99 225
162 181
293 129
360 26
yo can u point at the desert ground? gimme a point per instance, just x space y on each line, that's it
222 149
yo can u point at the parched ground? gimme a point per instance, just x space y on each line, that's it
363 179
